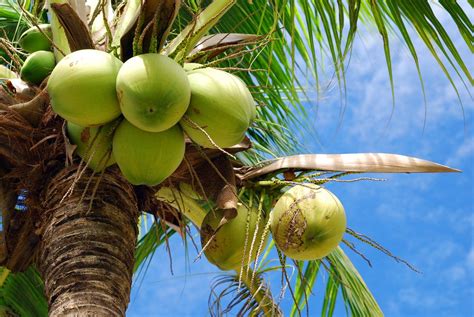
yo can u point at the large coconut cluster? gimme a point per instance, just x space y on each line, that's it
137 113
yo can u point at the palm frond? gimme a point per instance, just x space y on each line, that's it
357 297
302 35
342 277
11 20
358 162
304 284
148 244
249 298
22 294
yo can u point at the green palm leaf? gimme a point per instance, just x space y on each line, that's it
342 277
357 297
22 294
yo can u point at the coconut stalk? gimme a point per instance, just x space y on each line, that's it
184 202
61 44
126 22
99 20
187 39
32 110
259 293
144 26
86 255
76 31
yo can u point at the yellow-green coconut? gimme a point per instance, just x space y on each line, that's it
82 87
94 144
5 72
37 67
147 158
231 245
308 222
221 105
153 91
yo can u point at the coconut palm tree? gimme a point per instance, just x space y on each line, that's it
70 238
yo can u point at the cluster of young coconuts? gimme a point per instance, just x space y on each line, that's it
160 102
158 98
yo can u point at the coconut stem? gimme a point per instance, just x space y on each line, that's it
259 293
31 110
182 201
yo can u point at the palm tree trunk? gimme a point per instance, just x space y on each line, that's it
86 255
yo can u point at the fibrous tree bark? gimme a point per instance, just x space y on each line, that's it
86 254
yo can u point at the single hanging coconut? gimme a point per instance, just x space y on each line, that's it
221 105
153 91
147 158
94 144
33 40
226 249
82 88
308 222
37 67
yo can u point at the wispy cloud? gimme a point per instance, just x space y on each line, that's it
463 153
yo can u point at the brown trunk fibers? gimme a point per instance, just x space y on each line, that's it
15 144
86 254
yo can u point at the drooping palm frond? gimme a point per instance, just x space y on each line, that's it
304 284
342 278
357 297
150 241
252 298
11 26
22 294
304 34
11 21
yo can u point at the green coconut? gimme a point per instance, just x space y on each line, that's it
147 158
94 144
308 222
37 67
221 105
5 72
228 249
153 91
82 88
33 40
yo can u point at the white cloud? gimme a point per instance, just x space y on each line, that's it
464 152
369 107
470 260
426 301
455 273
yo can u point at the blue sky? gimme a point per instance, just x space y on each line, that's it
425 219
